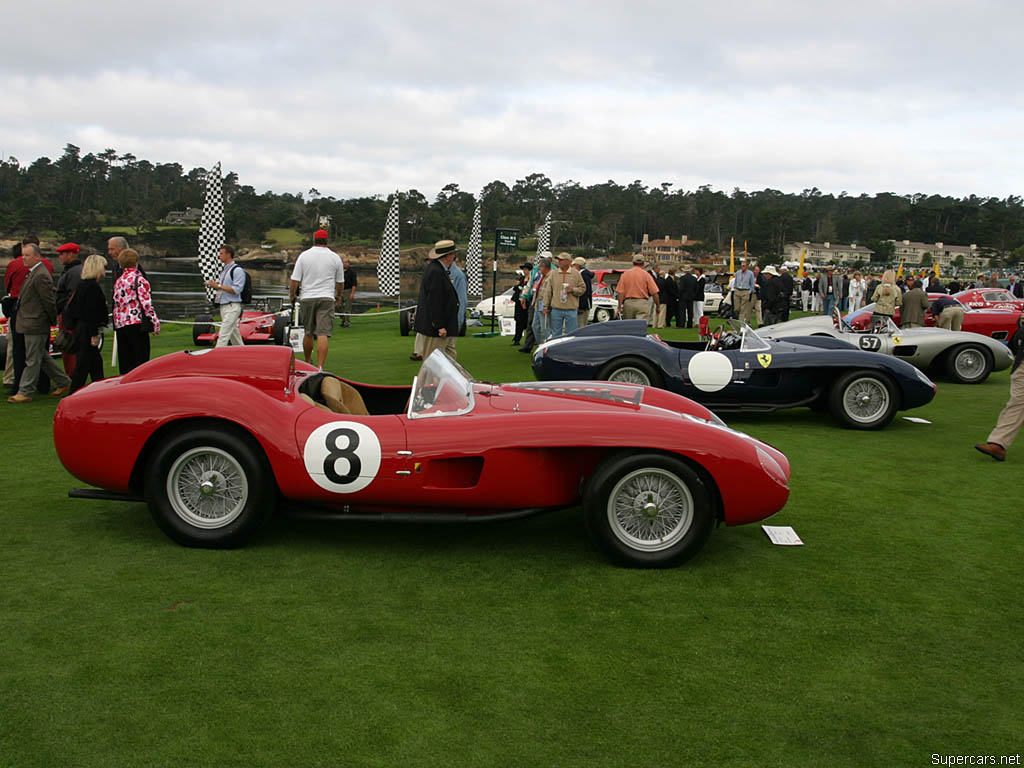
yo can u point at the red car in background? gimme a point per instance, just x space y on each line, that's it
999 324
256 327
989 298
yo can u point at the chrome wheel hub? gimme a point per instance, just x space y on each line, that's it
207 487
650 509
866 399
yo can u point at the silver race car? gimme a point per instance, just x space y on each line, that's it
967 358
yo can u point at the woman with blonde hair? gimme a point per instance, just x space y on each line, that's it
887 297
86 315
134 316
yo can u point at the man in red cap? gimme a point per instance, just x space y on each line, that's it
319 277
66 285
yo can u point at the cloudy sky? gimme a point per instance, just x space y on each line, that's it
365 98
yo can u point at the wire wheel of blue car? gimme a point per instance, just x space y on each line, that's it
863 400
631 370
209 487
647 510
969 364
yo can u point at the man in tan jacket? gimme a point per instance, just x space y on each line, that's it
560 293
37 311
915 304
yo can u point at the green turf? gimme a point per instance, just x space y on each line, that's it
895 633
285 236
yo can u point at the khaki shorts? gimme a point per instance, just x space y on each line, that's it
317 316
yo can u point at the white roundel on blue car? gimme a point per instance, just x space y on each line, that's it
709 371
342 456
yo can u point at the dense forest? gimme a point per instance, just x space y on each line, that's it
77 195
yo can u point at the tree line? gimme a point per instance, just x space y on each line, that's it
76 195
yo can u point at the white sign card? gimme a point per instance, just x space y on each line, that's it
508 325
783 535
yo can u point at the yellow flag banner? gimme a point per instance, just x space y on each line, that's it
937 275
732 256
899 272
800 272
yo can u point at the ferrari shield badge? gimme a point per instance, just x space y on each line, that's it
764 359
897 339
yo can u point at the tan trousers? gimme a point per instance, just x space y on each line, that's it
427 344
9 364
951 318
660 312
742 304
1012 416
581 317
634 308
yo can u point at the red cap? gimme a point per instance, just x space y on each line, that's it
320 234
69 248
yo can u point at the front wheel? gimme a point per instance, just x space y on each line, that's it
631 370
209 488
647 510
863 400
203 324
405 321
969 364
281 323
602 315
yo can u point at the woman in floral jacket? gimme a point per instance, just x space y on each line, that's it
134 316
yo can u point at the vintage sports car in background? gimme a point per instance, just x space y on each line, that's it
989 298
967 358
998 324
739 371
256 327
653 481
605 306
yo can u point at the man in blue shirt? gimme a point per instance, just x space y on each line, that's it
229 297
742 292
459 281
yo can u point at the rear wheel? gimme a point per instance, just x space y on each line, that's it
405 321
647 510
602 315
863 400
969 364
202 325
209 488
631 370
281 323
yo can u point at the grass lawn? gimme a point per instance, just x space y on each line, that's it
895 633
284 236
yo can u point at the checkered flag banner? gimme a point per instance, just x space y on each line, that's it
474 259
387 264
211 229
543 238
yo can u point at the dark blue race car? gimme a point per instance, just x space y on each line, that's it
737 370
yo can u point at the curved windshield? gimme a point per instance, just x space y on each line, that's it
441 388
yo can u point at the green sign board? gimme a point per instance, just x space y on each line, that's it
506 238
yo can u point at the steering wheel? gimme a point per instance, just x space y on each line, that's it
715 339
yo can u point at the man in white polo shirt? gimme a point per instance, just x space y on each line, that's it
320 275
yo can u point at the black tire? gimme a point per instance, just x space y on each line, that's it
176 503
631 534
602 315
203 324
968 364
863 400
632 370
405 321
281 323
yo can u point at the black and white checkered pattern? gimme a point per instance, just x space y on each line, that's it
474 259
211 229
543 238
387 264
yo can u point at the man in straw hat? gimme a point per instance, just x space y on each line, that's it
437 311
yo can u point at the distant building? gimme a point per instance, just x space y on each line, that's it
824 253
945 255
188 216
665 250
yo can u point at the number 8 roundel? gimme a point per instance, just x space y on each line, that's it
342 456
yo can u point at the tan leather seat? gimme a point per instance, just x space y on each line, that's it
311 401
342 398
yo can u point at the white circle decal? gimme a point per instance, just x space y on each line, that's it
342 456
709 371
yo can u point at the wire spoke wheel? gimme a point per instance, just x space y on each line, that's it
628 374
207 487
865 399
969 364
650 509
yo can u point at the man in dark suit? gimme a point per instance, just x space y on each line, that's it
37 311
786 288
670 296
437 312
687 295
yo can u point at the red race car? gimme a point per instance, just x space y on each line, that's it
211 439
999 324
256 327
989 298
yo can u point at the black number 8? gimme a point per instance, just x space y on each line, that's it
348 453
